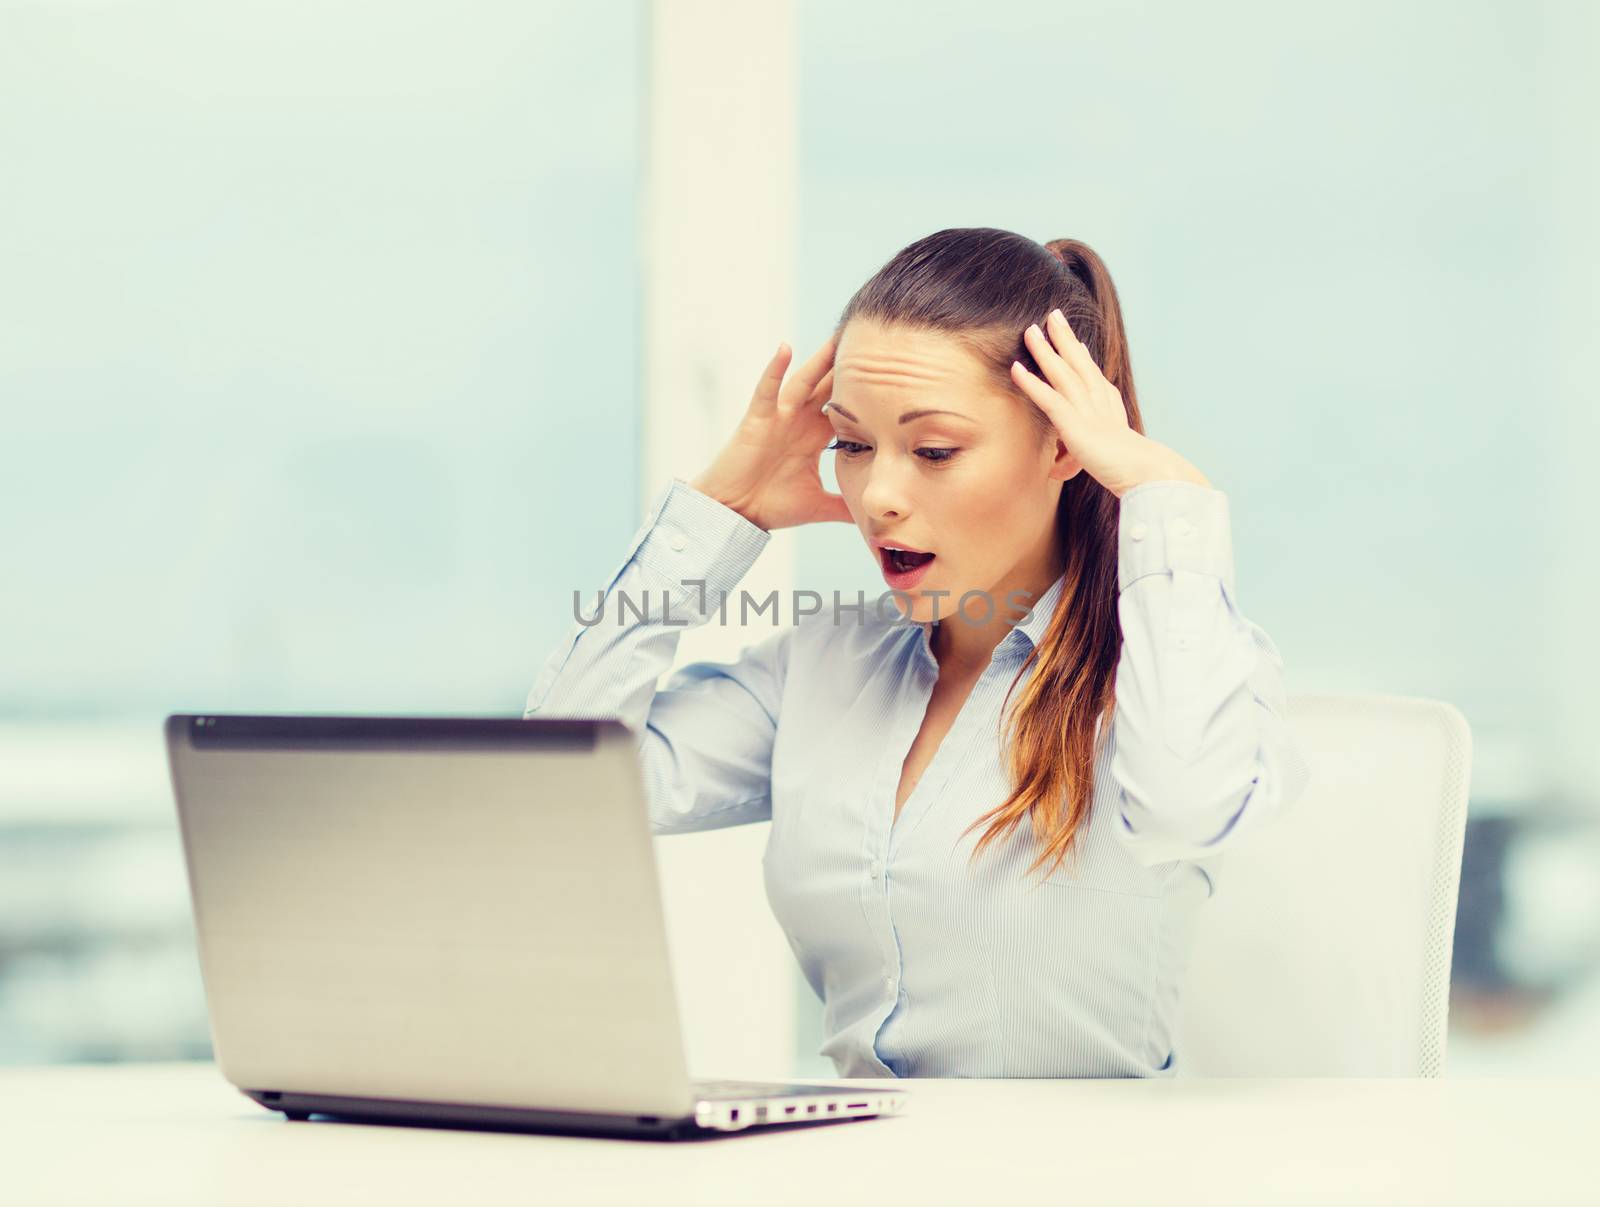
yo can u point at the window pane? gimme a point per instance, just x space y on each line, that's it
316 318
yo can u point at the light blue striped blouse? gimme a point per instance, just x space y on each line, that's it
926 967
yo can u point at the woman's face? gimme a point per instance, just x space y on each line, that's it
934 454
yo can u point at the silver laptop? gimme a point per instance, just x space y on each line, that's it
447 920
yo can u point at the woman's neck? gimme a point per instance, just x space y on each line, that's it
964 647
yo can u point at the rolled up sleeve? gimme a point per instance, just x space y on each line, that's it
1203 751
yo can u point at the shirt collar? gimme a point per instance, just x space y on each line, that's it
1044 610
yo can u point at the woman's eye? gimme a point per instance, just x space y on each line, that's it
851 448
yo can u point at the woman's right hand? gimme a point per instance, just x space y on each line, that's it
768 471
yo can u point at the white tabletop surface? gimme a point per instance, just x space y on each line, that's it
179 1133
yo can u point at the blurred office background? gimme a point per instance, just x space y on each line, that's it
316 319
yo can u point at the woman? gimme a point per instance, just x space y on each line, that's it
981 405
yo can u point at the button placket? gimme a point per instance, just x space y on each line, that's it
877 835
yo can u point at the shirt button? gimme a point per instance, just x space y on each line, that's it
678 542
877 868
888 981
1137 529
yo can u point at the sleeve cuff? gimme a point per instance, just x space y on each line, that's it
692 536
1176 525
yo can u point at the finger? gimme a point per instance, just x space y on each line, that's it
1073 349
1045 397
821 395
765 400
807 376
1102 394
1063 376
823 392
812 425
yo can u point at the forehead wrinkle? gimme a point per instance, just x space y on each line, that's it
894 371
948 397
892 365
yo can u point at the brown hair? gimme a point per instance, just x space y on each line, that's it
983 287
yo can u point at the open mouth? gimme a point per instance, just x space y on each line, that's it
900 562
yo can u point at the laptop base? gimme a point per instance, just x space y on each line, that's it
406 1112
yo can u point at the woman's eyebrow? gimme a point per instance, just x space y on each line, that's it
906 418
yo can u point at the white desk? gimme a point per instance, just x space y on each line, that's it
178 1133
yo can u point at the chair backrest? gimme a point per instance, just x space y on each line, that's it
1325 947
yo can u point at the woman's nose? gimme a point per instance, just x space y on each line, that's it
885 492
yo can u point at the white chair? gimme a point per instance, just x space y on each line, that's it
1325 949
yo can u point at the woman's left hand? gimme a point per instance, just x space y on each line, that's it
1089 415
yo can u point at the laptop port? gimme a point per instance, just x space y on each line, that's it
733 1115
832 1106
788 1110
812 1109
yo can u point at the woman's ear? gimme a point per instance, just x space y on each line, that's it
1064 466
